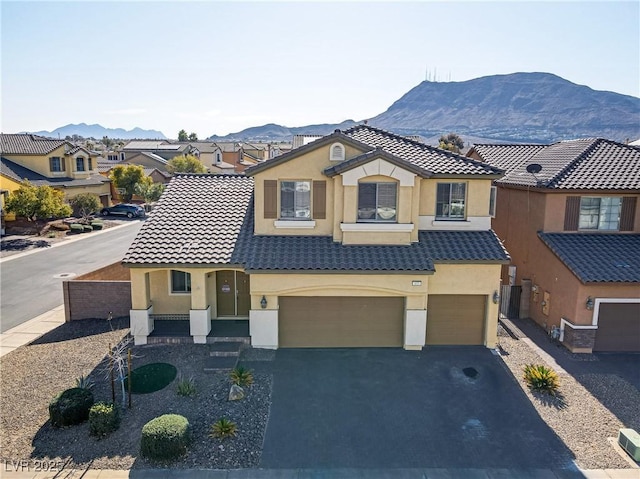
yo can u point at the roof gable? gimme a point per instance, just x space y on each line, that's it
26 144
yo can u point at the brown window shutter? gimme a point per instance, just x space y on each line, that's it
572 213
319 200
628 213
63 163
50 164
270 199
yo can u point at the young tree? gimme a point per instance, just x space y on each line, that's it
451 142
37 202
193 137
185 164
85 204
150 192
182 135
127 177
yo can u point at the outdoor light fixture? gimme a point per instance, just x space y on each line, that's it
496 297
263 302
589 303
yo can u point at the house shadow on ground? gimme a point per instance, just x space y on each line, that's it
612 378
81 329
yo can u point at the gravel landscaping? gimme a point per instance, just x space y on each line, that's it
579 419
34 374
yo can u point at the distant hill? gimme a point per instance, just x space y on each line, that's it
273 132
99 131
519 107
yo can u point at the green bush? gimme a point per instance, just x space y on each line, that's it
76 228
541 378
70 407
241 376
104 418
87 228
186 387
165 437
223 428
97 225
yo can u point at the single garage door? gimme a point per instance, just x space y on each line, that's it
340 322
455 319
618 327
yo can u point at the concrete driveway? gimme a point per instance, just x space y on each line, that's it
386 408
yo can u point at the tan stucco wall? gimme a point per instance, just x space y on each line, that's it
40 163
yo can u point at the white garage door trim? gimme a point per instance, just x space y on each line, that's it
599 301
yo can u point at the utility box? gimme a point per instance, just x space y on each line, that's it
629 440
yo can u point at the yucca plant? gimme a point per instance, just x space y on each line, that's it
186 386
541 378
83 382
223 428
241 376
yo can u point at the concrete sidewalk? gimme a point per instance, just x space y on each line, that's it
31 330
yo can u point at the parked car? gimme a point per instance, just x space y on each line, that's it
123 209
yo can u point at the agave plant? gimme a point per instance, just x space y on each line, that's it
241 376
84 382
223 428
541 378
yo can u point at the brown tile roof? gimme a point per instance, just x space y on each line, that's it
26 144
592 164
196 221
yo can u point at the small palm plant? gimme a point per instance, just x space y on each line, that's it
541 378
241 376
223 428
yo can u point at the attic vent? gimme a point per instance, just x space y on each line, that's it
337 152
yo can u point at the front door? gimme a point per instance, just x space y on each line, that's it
233 293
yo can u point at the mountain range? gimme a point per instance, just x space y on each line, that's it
518 107
99 131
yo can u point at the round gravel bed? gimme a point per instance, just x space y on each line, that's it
578 418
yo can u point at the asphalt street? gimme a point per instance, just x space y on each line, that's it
32 284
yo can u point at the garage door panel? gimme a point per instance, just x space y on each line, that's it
618 327
455 319
323 322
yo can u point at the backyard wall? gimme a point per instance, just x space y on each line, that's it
96 294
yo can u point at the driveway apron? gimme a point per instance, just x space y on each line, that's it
387 408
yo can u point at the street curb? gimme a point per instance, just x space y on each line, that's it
64 242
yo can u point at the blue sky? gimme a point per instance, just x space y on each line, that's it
220 67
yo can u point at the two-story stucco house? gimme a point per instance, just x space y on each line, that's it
360 238
568 214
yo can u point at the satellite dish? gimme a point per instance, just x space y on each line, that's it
534 168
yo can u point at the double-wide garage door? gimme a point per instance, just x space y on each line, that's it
618 327
340 322
334 322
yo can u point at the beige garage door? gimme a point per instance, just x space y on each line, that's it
336 322
618 327
455 319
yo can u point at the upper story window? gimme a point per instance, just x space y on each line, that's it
492 201
80 164
599 213
112 157
337 152
180 282
377 202
450 201
56 164
295 200
218 157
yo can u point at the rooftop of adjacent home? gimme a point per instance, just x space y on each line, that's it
27 144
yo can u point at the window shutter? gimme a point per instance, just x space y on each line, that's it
63 164
628 213
572 213
319 200
270 199
50 164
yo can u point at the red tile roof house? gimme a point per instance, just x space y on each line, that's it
568 214
361 238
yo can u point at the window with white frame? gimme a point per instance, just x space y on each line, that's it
56 164
377 202
599 213
112 157
492 201
180 282
218 157
295 200
80 164
450 201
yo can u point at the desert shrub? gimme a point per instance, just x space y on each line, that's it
541 378
241 376
186 386
97 225
70 407
59 226
223 428
165 437
87 228
76 228
104 418
84 382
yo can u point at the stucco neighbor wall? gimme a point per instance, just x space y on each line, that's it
96 299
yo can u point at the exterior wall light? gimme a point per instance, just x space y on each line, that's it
263 302
589 303
496 297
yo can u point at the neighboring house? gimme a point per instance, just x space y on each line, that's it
361 238
572 226
56 163
161 148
